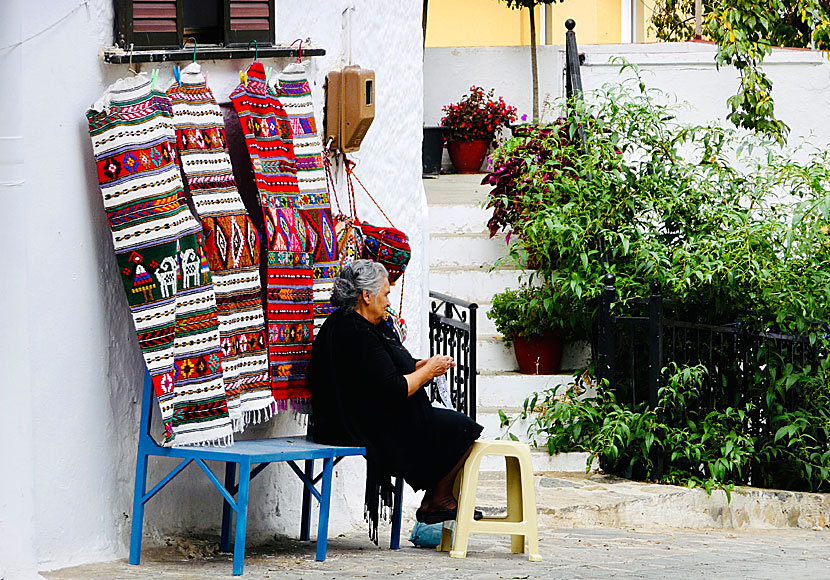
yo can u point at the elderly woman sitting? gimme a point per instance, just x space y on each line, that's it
366 390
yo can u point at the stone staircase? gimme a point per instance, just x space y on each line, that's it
462 255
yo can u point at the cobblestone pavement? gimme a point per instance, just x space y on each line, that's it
568 553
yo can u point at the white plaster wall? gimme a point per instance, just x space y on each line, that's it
686 70
72 367
17 510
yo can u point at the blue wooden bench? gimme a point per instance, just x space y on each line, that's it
249 459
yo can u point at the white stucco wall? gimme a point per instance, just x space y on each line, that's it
72 368
686 70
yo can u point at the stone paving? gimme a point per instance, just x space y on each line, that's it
571 553
591 526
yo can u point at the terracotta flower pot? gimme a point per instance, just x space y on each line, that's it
539 355
467 156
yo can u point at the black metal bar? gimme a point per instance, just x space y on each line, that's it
655 365
472 369
573 78
655 342
116 55
606 347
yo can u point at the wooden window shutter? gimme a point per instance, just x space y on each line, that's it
247 20
149 23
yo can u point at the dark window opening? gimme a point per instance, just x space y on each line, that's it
203 21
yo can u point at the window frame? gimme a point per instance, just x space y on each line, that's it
125 37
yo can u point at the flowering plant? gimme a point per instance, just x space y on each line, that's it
478 115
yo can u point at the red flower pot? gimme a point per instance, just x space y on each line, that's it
539 355
467 156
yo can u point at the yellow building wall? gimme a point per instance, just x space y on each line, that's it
475 23
492 23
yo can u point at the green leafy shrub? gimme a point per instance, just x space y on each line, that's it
733 227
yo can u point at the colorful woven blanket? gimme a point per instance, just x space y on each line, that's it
231 244
164 270
295 95
289 311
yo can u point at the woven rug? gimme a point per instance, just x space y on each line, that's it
232 246
289 309
295 95
164 270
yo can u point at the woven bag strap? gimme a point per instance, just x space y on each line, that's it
350 176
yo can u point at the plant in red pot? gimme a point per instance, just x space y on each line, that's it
536 322
471 125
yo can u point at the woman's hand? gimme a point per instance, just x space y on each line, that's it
427 370
438 365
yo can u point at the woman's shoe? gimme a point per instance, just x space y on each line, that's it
441 515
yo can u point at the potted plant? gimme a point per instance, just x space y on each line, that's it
471 125
535 321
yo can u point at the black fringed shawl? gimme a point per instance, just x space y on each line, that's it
359 397
355 385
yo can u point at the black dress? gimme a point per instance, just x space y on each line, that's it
359 397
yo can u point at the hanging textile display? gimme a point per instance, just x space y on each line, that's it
289 309
231 244
164 270
295 95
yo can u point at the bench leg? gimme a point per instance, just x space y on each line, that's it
138 508
325 503
227 511
397 512
305 519
241 517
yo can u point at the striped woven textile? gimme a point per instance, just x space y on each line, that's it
164 270
289 309
295 95
231 244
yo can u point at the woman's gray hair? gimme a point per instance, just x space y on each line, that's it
354 278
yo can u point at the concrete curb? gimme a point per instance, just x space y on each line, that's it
568 500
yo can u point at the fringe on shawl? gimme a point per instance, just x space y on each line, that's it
297 405
379 498
254 417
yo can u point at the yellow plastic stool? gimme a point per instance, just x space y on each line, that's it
520 521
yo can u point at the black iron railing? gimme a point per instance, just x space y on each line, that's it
633 350
452 331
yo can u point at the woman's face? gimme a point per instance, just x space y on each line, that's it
376 307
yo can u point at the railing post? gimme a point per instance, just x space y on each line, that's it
655 365
473 369
573 79
655 342
606 347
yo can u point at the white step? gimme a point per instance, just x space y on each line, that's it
466 250
474 284
508 390
484 325
492 355
456 189
458 219
489 418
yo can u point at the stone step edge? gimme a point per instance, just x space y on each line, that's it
681 508
482 235
479 270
